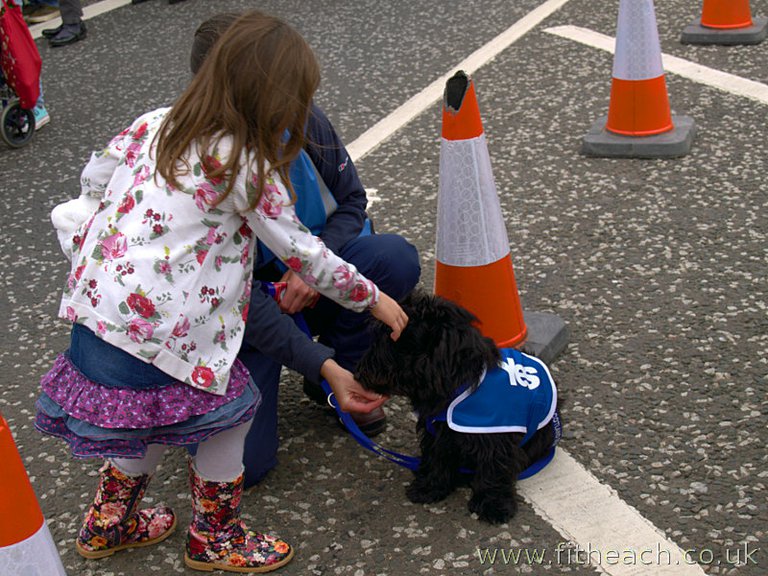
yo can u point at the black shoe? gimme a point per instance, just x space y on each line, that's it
69 34
51 32
371 424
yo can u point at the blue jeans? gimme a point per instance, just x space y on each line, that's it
111 366
393 264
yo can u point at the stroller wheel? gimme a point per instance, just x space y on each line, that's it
18 125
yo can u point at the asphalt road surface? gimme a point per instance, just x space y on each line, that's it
658 267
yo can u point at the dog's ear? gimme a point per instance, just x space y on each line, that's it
466 353
414 301
456 353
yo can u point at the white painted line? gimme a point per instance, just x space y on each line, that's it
415 105
617 539
88 13
685 68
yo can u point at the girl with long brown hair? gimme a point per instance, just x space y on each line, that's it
159 289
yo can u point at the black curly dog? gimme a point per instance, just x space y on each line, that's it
438 352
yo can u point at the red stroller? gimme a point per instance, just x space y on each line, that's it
20 79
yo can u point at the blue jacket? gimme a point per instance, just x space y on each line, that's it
517 396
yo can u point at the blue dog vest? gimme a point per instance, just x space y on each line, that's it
517 396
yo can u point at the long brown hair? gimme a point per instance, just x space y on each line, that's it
256 86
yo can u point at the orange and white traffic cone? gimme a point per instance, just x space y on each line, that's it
26 545
474 266
726 22
639 122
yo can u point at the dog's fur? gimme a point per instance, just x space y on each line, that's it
440 350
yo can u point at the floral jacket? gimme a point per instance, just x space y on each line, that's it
165 275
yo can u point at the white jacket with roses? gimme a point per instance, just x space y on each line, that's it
165 273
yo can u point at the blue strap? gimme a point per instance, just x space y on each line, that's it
410 462
407 461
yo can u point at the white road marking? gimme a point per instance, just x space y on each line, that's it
415 105
709 76
615 537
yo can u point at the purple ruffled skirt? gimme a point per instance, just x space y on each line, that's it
106 421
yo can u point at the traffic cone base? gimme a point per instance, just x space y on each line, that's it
547 335
490 293
755 33
602 143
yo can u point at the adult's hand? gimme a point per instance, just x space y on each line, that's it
298 295
350 394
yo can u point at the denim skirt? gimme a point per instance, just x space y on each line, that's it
106 403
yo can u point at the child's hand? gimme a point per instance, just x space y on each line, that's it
350 395
389 312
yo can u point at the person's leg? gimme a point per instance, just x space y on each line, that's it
113 521
41 113
261 443
139 466
72 28
71 11
220 458
217 536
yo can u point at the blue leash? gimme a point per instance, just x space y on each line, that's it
275 289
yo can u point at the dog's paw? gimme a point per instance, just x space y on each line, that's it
422 493
493 511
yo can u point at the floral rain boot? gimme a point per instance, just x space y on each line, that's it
113 523
219 540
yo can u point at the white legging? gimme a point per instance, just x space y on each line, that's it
220 458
